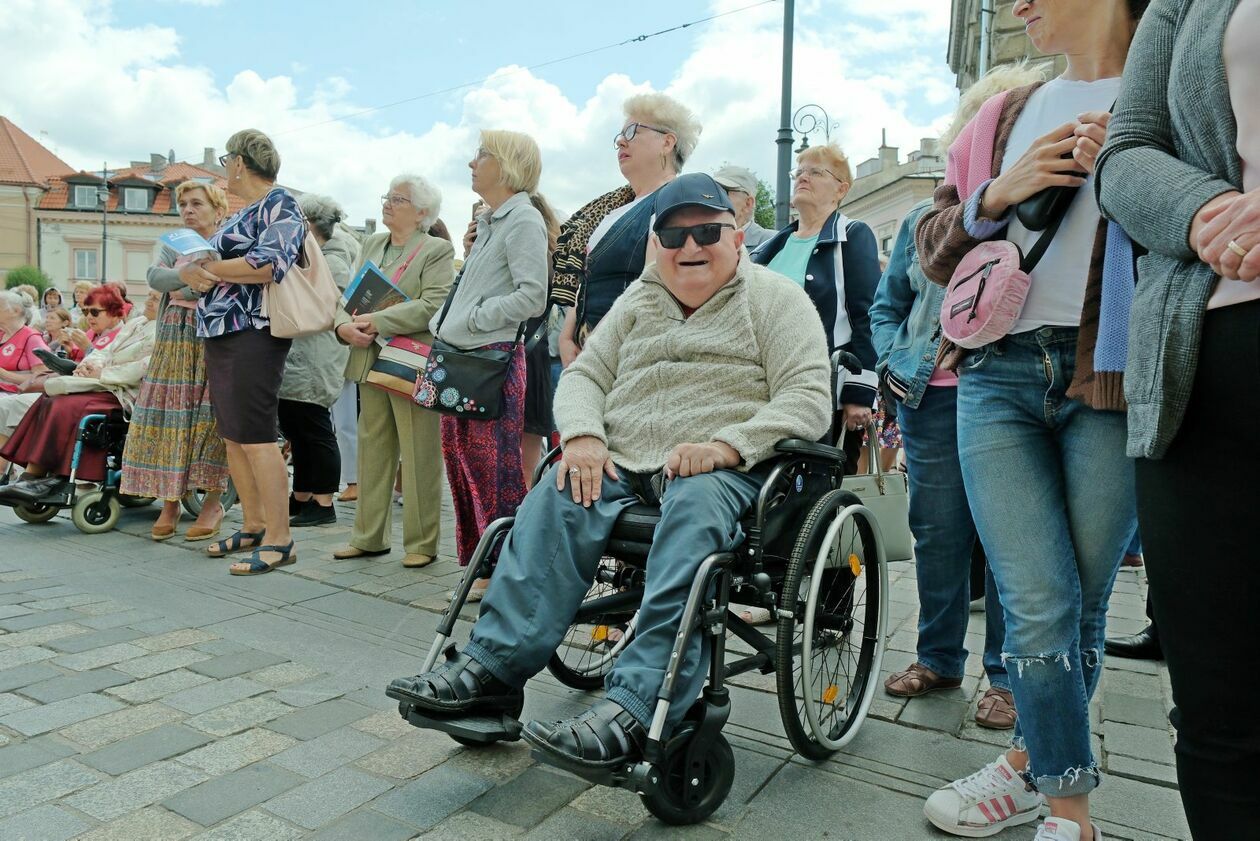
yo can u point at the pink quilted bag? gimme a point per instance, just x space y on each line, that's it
985 296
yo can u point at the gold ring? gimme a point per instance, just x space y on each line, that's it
1233 246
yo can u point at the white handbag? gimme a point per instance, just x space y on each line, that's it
887 496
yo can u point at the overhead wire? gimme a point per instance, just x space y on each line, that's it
635 40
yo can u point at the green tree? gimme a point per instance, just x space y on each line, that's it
27 274
763 212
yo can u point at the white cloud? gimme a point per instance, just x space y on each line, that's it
108 93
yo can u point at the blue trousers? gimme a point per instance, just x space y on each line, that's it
1052 494
944 536
548 563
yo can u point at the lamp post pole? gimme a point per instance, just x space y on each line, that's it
103 194
784 141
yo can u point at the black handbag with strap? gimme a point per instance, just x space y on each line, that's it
464 383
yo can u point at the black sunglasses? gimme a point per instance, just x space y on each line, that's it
93 311
704 234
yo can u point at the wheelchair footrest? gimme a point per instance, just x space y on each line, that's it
478 729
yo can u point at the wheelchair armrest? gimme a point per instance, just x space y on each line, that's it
811 450
547 460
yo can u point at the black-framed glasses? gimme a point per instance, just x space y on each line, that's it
223 159
706 233
627 134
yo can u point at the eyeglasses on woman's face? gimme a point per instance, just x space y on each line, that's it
628 133
706 233
814 172
224 159
394 199
94 312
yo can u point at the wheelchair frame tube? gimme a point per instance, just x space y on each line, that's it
78 451
493 534
685 628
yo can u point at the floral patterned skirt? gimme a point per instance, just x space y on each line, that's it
173 445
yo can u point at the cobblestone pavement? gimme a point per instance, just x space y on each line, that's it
144 693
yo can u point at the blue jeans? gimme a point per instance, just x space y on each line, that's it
1135 545
944 536
548 563
1053 498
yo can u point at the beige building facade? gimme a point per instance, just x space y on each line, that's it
885 188
972 48
27 171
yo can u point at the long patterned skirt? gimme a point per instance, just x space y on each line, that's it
173 445
483 461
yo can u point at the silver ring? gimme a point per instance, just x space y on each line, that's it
573 471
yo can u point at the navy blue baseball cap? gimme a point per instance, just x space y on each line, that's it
695 189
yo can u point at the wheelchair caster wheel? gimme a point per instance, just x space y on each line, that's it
93 514
679 794
34 512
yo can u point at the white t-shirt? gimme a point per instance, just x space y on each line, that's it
608 221
1058 283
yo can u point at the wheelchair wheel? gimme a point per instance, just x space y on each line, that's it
34 512
830 640
129 501
193 500
667 800
93 514
591 645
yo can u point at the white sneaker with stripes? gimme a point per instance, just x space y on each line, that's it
985 803
1062 829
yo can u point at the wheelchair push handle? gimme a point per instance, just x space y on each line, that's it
847 361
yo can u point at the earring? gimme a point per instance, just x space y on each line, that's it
664 161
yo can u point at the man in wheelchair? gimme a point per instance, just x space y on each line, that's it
699 369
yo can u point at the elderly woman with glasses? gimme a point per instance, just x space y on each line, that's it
603 247
836 260
422 265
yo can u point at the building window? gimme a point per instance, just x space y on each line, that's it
85 195
885 245
135 198
85 264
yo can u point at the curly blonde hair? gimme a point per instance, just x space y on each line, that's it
1004 77
214 194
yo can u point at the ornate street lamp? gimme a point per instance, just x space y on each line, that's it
809 119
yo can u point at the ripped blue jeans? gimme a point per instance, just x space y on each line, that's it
1052 494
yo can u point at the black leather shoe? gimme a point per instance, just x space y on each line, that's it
461 685
314 514
33 490
1140 646
605 736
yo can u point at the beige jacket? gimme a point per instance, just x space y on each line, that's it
124 362
748 368
427 281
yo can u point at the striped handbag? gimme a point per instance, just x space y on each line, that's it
398 365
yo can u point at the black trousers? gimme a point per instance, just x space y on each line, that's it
1197 511
316 460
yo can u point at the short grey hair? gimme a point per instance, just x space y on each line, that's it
322 212
16 302
668 113
424 195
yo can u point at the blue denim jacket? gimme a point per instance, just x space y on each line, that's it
905 317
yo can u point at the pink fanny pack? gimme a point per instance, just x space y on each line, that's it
987 292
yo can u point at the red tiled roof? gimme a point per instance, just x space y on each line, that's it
171 176
24 161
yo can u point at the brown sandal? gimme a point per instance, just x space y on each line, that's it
918 680
996 709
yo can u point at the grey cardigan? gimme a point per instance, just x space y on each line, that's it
504 280
1171 148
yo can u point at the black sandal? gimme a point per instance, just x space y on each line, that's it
235 543
257 566
460 685
605 736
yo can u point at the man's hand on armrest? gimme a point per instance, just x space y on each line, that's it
694 459
584 462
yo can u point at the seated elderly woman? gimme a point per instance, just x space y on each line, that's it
695 374
18 362
107 379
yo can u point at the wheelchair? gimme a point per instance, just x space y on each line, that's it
97 511
812 555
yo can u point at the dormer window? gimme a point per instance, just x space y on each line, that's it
85 196
135 198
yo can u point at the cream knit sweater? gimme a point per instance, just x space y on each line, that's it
748 368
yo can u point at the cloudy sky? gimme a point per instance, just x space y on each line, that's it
114 80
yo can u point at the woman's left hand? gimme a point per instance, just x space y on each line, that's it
1235 228
1091 134
856 416
87 369
365 324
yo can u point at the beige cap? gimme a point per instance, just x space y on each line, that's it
737 178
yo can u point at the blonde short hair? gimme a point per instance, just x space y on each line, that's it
1004 77
832 158
217 198
257 151
667 113
520 162
82 286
